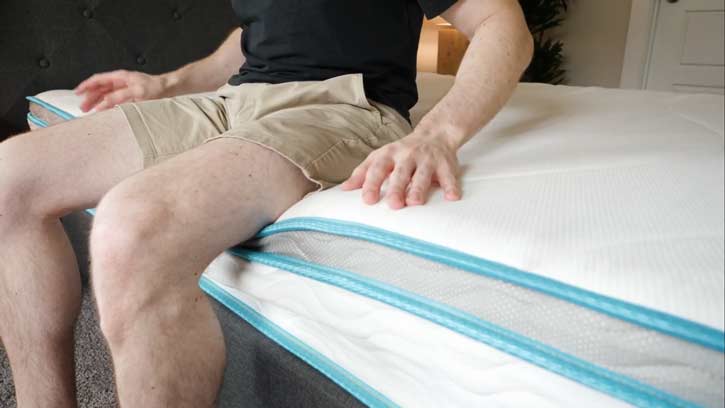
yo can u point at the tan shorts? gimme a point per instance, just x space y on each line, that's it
326 128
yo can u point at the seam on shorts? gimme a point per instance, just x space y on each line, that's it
326 152
342 140
381 127
225 126
143 136
378 127
378 112
392 130
398 121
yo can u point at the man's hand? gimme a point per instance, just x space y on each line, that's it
106 90
413 164
501 49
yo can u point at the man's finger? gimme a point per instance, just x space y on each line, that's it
377 173
90 82
449 182
115 79
420 185
115 98
357 178
93 98
398 182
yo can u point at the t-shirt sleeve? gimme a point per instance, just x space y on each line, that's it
434 8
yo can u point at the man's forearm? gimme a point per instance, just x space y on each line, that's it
500 50
209 73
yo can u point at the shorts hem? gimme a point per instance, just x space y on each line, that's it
141 133
321 184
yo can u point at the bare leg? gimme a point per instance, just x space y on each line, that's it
44 175
153 235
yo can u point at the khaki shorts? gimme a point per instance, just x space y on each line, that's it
326 128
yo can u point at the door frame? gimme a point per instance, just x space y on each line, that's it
640 40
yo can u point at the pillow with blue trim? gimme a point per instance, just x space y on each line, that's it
52 107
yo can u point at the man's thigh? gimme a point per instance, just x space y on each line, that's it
71 165
205 200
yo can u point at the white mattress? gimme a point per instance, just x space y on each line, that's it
616 193
580 185
409 360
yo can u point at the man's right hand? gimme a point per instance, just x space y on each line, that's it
106 90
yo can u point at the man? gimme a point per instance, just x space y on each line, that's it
322 97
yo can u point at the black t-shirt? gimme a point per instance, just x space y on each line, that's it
313 40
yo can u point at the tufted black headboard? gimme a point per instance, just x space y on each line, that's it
54 44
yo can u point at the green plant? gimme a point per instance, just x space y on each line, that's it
542 16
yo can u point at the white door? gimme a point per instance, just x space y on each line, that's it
688 47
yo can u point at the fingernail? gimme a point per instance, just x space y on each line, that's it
452 195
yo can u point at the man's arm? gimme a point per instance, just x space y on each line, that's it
500 50
106 90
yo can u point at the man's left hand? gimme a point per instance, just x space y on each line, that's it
413 164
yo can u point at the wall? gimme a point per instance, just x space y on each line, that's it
428 48
594 35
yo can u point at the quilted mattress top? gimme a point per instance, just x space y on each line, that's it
616 192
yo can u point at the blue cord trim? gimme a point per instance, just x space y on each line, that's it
609 382
642 316
59 112
37 121
366 394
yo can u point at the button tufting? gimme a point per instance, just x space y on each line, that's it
176 15
140 60
43 63
87 13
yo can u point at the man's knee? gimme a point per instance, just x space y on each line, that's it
130 227
127 251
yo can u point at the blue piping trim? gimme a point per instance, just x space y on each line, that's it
537 353
645 317
366 394
59 112
37 121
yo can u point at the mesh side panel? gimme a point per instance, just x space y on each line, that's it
681 368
